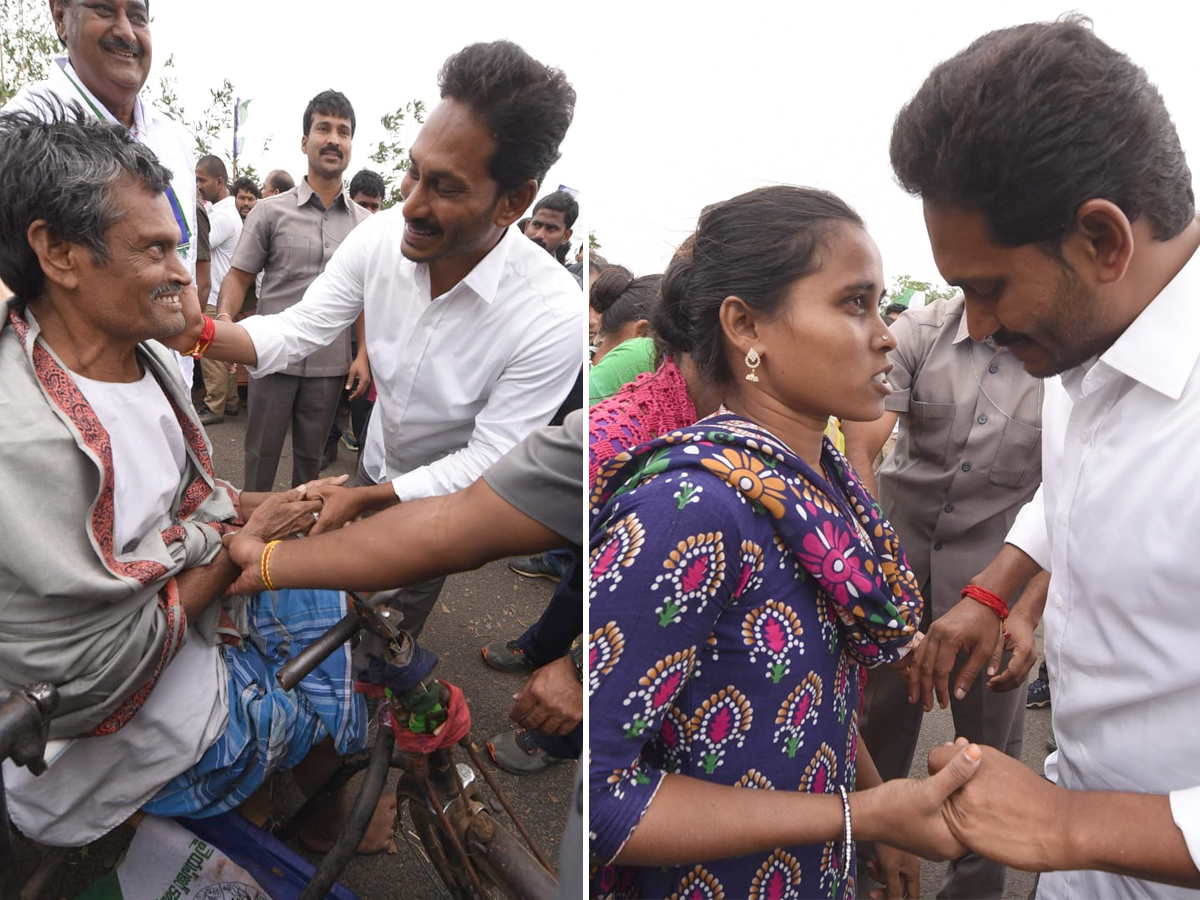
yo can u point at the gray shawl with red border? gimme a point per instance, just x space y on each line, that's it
99 624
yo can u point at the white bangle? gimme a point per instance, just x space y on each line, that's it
846 836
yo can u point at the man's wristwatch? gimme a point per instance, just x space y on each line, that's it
577 659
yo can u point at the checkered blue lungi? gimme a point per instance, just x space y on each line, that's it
271 729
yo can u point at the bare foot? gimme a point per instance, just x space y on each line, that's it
377 837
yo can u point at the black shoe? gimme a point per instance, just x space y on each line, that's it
518 753
535 567
1038 694
232 411
506 656
208 417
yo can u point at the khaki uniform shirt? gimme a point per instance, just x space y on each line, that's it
290 238
968 454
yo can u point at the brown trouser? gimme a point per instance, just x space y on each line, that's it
416 601
274 402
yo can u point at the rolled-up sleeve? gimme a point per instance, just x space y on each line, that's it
1185 809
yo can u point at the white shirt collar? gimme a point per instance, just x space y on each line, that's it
484 280
1160 348
62 69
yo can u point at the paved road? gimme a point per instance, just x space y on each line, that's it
474 608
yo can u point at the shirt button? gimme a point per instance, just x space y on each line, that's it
408 365
1062 518
327 244
937 546
966 467
949 507
982 420
993 368
1085 436
1057 601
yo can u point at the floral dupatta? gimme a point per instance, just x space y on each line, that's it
836 531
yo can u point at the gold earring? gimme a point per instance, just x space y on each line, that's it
753 361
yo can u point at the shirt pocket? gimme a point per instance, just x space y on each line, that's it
1018 460
297 258
929 428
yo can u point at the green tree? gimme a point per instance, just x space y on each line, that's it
903 283
593 244
27 42
391 153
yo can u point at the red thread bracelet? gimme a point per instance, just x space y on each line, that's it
207 333
992 601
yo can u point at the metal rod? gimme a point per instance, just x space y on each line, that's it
356 825
310 657
448 828
490 779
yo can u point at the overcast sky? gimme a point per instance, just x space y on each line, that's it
679 105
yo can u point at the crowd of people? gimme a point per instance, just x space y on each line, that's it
812 513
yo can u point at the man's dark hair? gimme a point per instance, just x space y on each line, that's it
329 103
214 166
894 309
369 183
246 183
68 3
79 162
728 257
280 180
526 105
562 202
1030 122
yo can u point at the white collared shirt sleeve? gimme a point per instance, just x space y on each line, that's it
1028 532
331 304
527 394
1185 809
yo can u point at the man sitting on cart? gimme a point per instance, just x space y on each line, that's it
112 571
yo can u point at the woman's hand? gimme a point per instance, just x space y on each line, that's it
282 515
898 871
911 813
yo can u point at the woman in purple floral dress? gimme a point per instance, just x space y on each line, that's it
740 575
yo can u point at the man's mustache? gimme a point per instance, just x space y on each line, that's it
118 44
1002 337
169 287
334 148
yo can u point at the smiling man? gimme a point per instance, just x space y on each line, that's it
107 62
291 238
1057 196
112 571
475 334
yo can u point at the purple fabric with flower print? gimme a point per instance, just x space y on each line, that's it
732 595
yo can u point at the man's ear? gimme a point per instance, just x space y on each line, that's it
567 234
740 324
514 202
304 145
1104 236
58 258
58 12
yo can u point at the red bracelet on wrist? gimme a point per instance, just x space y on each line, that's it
207 333
992 601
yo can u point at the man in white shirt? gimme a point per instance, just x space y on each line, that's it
1058 198
107 62
474 333
225 227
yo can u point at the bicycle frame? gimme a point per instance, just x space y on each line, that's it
457 827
